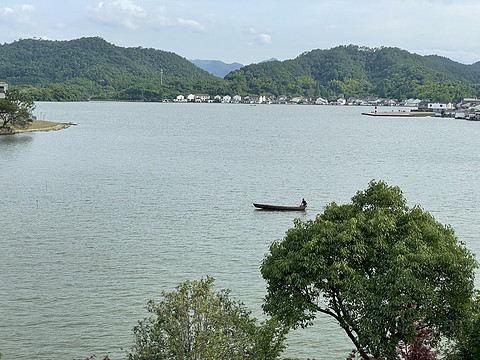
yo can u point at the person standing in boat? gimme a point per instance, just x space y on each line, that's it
304 203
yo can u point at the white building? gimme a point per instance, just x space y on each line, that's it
254 99
468 103
3 89
226 99
321 101
202 97
436 107
412 102
297 99
191 97
180 98
237 99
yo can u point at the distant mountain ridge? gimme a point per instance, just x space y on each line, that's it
219 68
271 59
216 67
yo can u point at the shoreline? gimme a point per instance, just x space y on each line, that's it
39 125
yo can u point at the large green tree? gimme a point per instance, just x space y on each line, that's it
382 270
194 322
468 345
16 109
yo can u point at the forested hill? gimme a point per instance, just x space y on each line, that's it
354 71
89 68
92 68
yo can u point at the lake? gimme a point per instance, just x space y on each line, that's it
138 197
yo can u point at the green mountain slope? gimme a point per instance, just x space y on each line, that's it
93 68
354 71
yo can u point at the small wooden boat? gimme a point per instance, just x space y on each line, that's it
280 207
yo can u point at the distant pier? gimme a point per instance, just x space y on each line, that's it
399 113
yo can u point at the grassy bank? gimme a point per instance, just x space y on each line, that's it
42 126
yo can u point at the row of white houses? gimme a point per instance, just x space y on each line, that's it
262 99
206 98
468 108
249 99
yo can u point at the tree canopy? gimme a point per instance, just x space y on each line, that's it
355 71
467 346
91 68
16 109
194 322
382 270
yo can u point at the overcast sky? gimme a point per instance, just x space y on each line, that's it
248 31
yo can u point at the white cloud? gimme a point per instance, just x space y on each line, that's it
265 38
20 14
6 11
26 7
262 39
191 24
121 12
160 21
131 16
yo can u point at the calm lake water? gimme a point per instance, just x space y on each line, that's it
101 217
